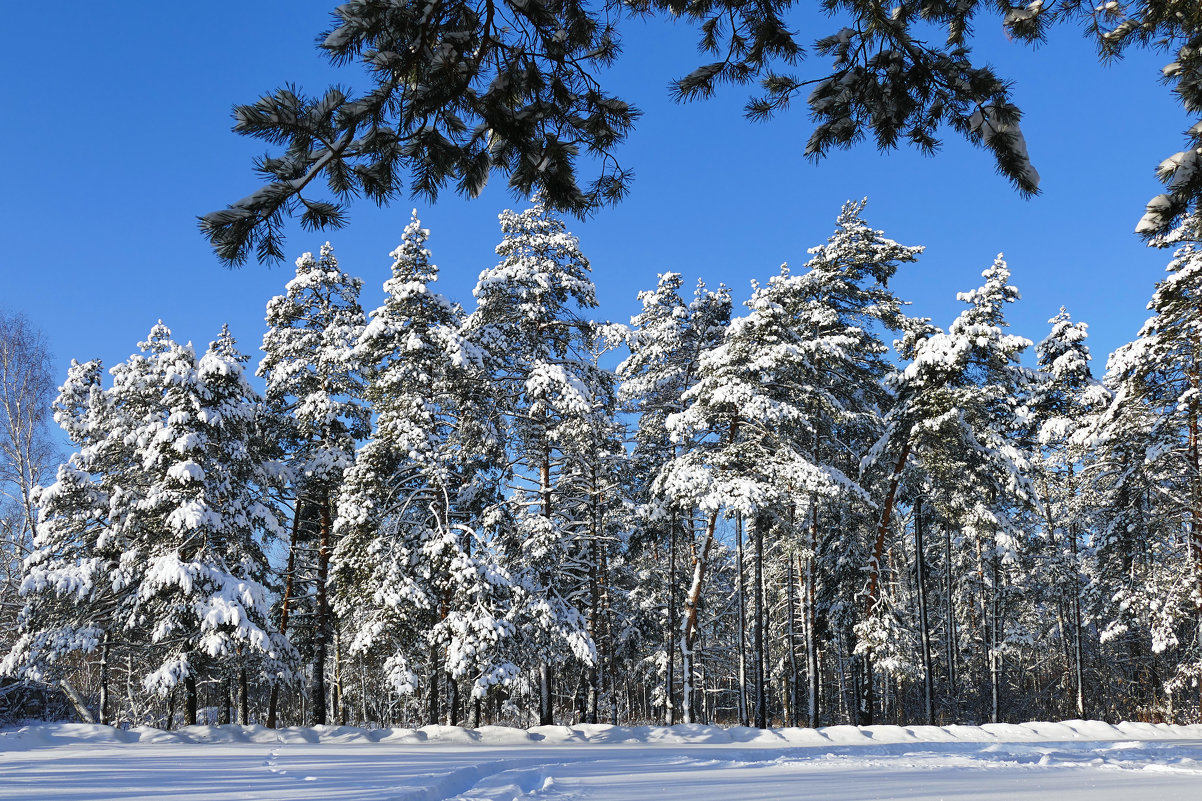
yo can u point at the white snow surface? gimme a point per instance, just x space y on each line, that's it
1071 761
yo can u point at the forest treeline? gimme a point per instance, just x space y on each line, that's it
815 509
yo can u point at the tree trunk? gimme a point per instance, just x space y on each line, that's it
670 642
363 693
190 698
692 604
77 701
866 695
813 677
995 668
761 695
104 680
878 546
741 603
865 701
1078 660
924 628
790 638
454 703
950 623
611 660
285 608
336 708
321 625
433 672
225 712
1195 525
243 697
693 599
594 613
545 712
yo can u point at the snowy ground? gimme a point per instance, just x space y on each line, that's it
1075 761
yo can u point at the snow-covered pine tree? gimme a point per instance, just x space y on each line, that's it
1150 552
593 483
69 607
847 307
1062 406
959 402
744 419
201 527
315 392
665 340
76 581
529 322
150 540
781 407
1138 585
413 571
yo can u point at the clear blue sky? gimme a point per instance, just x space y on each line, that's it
116 136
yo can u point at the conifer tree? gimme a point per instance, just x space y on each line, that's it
153 534
1150 552
960 401
1062 406
75 583
783 403
666 340
314 390
846 309
529 323
413 573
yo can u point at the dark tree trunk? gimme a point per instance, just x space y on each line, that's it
790 639
741 599
995 667
190 698
225 712
546 715
433 673
670 640
866 690
321 625
454 703
924 628
761 695
243 697
545 711
285 609
950 622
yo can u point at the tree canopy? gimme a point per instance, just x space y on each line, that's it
462 88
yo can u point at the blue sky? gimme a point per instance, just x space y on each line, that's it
117 136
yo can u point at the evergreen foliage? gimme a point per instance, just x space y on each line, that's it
460 89
775 517
151 539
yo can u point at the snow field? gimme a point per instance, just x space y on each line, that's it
1075 761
